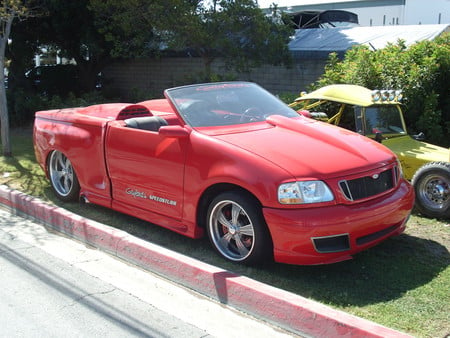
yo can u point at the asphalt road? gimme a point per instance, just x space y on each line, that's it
52 286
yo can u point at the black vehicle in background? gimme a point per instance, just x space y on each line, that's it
322 19
59 80
54 79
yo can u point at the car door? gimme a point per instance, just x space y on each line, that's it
146 169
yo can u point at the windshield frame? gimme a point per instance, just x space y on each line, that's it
364 122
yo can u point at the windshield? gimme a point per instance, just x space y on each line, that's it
225 103
385 119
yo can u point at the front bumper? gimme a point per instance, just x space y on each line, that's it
335 233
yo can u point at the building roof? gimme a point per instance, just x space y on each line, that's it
322 41
286 3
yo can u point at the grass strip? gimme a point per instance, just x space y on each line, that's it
403 283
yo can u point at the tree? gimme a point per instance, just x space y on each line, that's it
93 32
130 25
420 70
235 30
9 11
68 27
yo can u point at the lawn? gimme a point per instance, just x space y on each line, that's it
404 283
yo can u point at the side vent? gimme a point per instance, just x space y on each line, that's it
134 110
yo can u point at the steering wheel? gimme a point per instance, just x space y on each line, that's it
200 114
252 114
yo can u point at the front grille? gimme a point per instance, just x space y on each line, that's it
368 186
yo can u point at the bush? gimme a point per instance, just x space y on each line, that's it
421 71
23 104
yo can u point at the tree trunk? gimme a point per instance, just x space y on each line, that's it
207 62
4 119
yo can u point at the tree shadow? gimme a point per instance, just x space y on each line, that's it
31 180
380 274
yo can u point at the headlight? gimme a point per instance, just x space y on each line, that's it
303 192
399 171
387 95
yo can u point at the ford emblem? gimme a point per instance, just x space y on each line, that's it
375 176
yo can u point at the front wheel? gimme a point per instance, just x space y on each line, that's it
237 229
432 187
63 179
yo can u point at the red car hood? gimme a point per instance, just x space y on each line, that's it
311 149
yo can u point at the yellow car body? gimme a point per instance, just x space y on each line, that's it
414 154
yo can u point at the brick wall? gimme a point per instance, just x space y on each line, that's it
151 76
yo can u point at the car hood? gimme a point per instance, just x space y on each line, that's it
413 154
408 147
311 149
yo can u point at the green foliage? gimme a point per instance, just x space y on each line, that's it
131 26
246 37
22 104
139 95
236 31
208 77
94 32
67 27
421 71
287 97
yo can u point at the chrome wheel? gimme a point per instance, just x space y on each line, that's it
62 177
432 187
237 229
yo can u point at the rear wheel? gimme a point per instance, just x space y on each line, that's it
237 230
63 179
432 186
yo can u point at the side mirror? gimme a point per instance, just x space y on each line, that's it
419 137
379 137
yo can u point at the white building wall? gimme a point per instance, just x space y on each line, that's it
379 12
380 16
420 12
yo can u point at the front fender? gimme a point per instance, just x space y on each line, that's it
414 154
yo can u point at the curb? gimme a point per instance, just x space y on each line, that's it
284 309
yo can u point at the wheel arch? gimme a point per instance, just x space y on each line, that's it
66 153
211 192
70 189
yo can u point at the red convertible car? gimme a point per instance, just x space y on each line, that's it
232 161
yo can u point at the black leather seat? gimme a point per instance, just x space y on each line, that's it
152 123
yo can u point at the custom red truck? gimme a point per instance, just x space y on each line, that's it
378 114
234 162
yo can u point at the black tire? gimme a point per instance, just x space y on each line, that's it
237 229
432 187
63 179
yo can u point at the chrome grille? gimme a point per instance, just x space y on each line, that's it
368 186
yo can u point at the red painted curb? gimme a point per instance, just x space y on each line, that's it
285 309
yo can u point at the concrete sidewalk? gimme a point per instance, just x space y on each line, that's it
291 312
